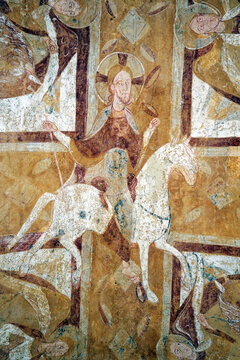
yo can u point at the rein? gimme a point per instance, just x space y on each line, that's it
158 216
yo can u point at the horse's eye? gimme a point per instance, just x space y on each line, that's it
82 214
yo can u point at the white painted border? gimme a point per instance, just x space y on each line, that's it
93 62
204 239
30 147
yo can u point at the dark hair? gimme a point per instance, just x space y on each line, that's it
43 2
4 7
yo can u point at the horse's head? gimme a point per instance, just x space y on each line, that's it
184 160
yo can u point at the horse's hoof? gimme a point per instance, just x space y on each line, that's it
141 293
152 297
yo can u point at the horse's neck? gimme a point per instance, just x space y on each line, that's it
152 190
165 167
162 181
162 186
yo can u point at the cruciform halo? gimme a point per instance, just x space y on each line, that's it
122 60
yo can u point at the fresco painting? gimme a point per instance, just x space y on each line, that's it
119 179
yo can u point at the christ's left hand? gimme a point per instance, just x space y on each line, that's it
154 124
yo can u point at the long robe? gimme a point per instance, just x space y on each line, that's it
93 149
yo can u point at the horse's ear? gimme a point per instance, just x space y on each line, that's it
187 140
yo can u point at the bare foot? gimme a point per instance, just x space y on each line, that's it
201 318
130 273
57 348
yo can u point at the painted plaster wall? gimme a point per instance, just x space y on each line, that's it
100 317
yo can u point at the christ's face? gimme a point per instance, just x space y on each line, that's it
68 7
121 87
206 24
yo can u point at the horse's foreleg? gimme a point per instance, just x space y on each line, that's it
68 242
199 320
29 254
172 250
41 203
144 247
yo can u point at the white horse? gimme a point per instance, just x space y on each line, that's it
77 208
151 213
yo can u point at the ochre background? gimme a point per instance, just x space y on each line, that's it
20 187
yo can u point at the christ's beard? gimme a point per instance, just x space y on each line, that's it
124 98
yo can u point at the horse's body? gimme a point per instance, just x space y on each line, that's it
78 208
151 212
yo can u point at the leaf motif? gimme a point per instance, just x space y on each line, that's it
109 46
105 314
152 77
159 7
111 8
149 109
6 171
204 167
147 52
143 325
41 166
140 293
39 302
194 214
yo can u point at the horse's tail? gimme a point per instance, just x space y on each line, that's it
41 203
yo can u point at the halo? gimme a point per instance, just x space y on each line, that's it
85 18
122 59
182 30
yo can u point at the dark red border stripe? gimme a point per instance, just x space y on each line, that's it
176 285
187 92
82 80
208 248
215 142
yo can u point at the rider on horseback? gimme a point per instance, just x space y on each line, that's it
112 142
